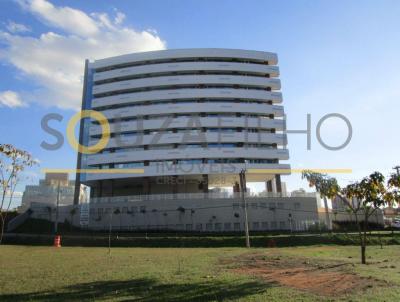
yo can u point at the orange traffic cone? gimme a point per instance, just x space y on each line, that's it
57 241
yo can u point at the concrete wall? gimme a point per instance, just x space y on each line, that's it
207 215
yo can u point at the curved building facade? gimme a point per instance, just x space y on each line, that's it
184 121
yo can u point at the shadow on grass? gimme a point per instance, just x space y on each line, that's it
146 290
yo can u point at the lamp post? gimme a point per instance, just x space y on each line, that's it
109 231
57 206
243 190
290 223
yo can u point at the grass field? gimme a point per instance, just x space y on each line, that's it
192 274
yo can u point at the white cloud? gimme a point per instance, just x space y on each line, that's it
55 61
119 18
17 27
69 19
10 99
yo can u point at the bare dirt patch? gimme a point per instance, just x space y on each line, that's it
321 278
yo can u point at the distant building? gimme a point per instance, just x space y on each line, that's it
46 192
342 213
303 193
391 212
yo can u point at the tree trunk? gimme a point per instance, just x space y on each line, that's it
363 248
327 218
364 240
2 228
379 231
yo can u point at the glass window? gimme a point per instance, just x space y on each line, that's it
282 225
129 165
122 150
123 135
264 225
162 147
256 225
189 227
274 225
199 227
236 226
227 226
208 226
190 161
254 206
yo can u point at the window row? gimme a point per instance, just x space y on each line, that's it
166 163
188 146
236 206
193 116
120 78
180 60
190 131
270 205
224 227
188 86
183 101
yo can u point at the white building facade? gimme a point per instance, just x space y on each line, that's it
182 123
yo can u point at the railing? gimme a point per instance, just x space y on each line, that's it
180 196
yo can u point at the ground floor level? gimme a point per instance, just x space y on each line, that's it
190 213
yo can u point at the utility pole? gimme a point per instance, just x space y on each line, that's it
397 168
290 223
242 177
109 232
58 203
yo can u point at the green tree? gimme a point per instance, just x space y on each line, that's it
326 186
12 162
361 198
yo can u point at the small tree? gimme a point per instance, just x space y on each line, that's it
372 193
368 195
12 162
326 186
393 195
116 212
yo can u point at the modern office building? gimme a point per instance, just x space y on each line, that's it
195 116
46 192
183 124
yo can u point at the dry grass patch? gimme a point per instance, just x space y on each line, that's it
317 277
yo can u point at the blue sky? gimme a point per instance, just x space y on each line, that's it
334 57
